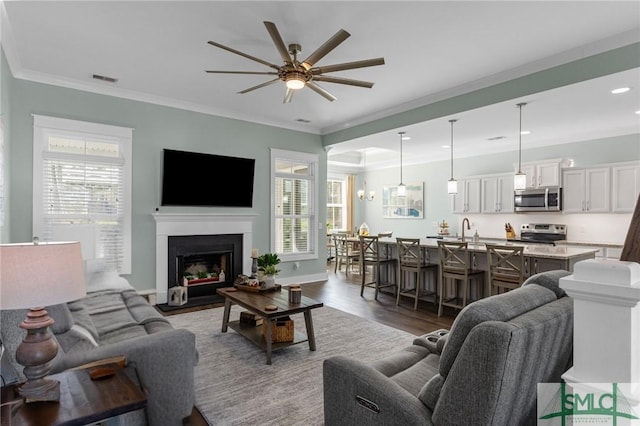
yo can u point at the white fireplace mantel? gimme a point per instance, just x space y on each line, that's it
174 224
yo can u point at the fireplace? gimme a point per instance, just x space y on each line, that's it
204 263
202 225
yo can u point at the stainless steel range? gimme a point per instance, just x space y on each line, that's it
542 233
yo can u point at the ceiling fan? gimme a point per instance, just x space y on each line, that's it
296 74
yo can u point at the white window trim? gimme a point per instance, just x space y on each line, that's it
43 125
314 159
343 179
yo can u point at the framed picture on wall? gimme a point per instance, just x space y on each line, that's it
409 206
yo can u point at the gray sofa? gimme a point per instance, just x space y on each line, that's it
483 372
113 320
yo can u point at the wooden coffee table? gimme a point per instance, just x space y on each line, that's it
257 303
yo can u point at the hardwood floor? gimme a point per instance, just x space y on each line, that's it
342 292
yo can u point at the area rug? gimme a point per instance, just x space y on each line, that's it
235 386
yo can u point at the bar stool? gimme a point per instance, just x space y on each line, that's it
370 256
456 266
506 267
411 261
344 252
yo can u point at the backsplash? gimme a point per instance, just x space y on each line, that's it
581 228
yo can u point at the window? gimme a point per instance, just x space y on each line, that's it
336 203
82 187
294 222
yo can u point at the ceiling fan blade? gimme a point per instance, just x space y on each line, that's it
288 96
329 79
327 47
237 52
277 40
348 66
241 72
259 86
319 90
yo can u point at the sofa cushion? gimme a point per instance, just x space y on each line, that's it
502 307
76 339
400 360
61 316
82 318
413 378
550 280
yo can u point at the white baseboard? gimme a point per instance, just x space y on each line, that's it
303 279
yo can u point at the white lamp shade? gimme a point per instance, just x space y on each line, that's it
519 181
361 193
37 275
402 190
372 194
452 186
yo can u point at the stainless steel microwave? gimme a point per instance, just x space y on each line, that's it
538 200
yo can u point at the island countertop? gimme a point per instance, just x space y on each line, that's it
534 250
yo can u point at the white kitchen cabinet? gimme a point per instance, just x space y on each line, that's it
542 174
497 194
625 188
586 190
467 200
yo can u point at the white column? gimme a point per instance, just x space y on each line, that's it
606 336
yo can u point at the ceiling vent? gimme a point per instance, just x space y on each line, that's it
104 78
303 120
496 138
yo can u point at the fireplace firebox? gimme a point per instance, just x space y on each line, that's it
204 263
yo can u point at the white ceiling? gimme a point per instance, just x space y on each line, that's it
158 51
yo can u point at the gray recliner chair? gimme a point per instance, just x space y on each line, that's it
484 371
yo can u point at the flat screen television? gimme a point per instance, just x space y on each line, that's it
198 179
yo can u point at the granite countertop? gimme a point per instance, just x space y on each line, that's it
537 250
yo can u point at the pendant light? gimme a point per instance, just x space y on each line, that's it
452 184
520 179
402 189
361 192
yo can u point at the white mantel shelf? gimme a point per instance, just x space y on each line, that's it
174 224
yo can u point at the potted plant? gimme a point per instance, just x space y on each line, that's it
267 265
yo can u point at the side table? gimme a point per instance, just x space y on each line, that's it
82 400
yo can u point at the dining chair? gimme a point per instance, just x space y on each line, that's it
457 269
506 267
412 264
344 252
370 255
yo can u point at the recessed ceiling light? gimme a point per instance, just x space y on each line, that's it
406 138
620 90
525 132
445 146
638 111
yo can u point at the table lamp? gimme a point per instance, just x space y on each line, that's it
34 275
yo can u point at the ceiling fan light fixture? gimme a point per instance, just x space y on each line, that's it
295 80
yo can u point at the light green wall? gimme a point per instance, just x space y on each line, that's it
434 175
5 116
156 127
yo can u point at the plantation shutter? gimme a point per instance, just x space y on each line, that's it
294 209
86 193
82 189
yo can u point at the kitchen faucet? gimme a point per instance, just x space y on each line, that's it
468 227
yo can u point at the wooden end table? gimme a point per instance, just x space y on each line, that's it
82 400
256 303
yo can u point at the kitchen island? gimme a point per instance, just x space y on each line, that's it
537 257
